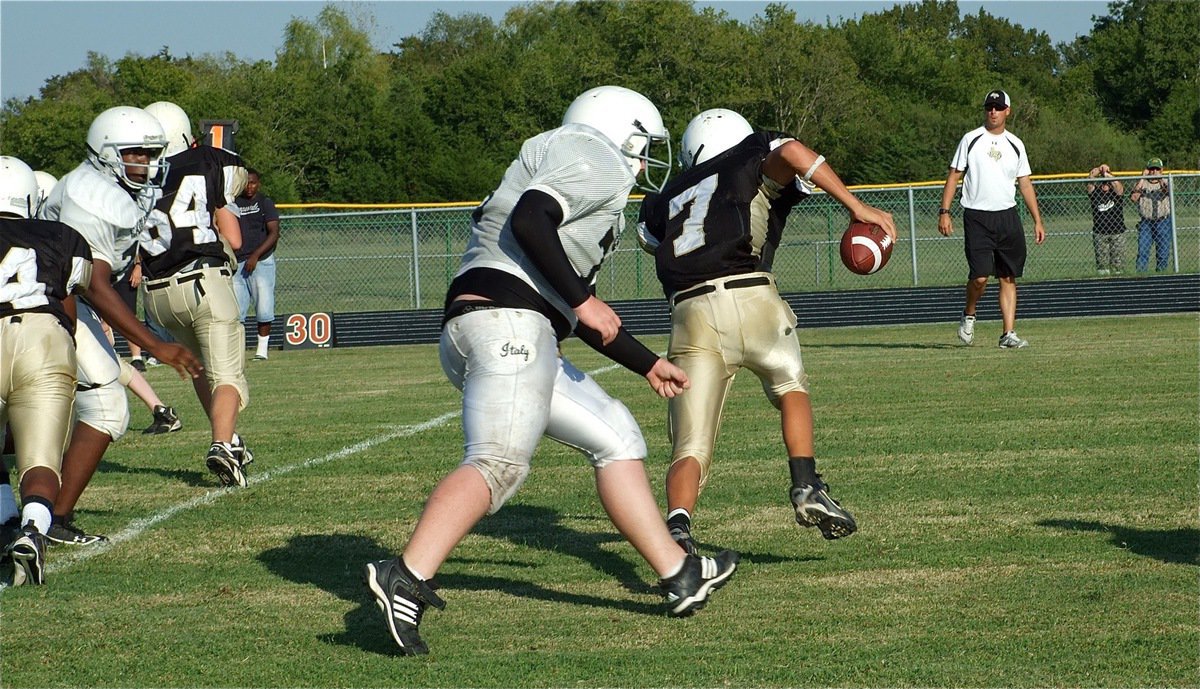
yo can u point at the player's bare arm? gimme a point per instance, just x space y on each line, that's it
945 225
793 159
1031 202
228 227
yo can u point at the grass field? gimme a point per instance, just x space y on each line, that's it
1028 519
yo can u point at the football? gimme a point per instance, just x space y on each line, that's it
865 248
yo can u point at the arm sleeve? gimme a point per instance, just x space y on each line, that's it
625 349
534 221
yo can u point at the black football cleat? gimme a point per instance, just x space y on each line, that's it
814 507
688 590
28 554
403 598
222 462
165 421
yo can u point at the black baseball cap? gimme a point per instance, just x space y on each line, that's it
998 98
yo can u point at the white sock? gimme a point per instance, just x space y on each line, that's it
37 513
677 569
262 345
680 510
414 572
8 503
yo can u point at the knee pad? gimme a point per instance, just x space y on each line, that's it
105 408
502 477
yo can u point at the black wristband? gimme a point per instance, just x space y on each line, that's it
943 211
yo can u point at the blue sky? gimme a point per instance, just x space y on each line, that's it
43 38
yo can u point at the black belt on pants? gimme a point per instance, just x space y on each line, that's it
179 279
757 281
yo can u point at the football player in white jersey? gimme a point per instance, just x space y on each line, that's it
524 284
713 232
107 199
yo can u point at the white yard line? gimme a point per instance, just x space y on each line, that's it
65 557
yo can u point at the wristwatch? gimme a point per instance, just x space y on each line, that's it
943 211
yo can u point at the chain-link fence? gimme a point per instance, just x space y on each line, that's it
404 259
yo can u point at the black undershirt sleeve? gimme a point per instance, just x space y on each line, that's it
534 221
625 349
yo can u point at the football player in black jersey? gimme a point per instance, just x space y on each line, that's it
188 274
713 231
42 264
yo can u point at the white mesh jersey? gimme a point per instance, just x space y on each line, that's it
581 169
108 217
993 162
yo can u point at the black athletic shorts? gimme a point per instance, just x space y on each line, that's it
127 291
994 243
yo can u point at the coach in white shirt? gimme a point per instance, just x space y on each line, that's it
992 159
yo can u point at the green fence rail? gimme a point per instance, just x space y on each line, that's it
403 259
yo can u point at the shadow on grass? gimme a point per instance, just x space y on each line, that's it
542 527
199 478
1174 546
332 562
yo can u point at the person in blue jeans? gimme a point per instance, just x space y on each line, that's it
1152 194
255 277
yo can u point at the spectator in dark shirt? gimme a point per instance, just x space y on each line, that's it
255 277
1107 197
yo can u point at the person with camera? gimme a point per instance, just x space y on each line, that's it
1107 198
1152 194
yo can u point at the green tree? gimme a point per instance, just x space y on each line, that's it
1145 56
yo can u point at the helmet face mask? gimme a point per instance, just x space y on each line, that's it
710 134
117 130
633 124
18 188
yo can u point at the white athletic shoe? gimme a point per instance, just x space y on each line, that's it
1009 340
966 329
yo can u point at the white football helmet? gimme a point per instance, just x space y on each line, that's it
124 127
18 188
631 122
45 182
175 124
711 133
